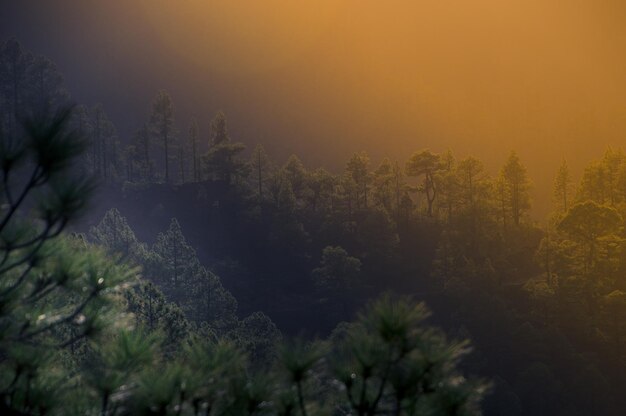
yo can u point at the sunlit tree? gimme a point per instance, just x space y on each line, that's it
562 187
358 169
425 164
516 187
592 226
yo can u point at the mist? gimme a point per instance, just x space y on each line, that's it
544 78
339 207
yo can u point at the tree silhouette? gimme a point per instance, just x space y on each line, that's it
162 125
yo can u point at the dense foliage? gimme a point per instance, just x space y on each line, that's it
543 305
81 332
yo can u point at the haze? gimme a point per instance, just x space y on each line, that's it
330 78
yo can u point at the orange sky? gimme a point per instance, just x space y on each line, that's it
328 78
544 77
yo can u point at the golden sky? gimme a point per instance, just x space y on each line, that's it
327 78
536 75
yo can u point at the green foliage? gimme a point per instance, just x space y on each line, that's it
210 302
178 258
391 363
258 337
337 270
515 185
54 292
562 187
589 221
114 233
29 86
426 164
156 314
595 229
296 174
358 170
603 179
221 162
140 166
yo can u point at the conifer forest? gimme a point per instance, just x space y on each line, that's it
299 209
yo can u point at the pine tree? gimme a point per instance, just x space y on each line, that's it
142 142
114 233
428 165
516 187
221 162
261 168
212 303
60 291
193 142
103 139
562 187
177 256
161 126
358 169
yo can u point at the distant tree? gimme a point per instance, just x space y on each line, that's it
383 181
131 159
182 159
546 256
103 139
258 336
296 174
475 195
470 171
177 256
322 185
337 269
613 161
221 162
218 130
594 183
142 144
590 224
450 198
282 195
403 202
81 122
358 169
161 125
516 187
261 167
562 186
193 141
425 164
151 310
14 64
337 273
211 302
29 86
114 233
602 180
46 89
347 194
